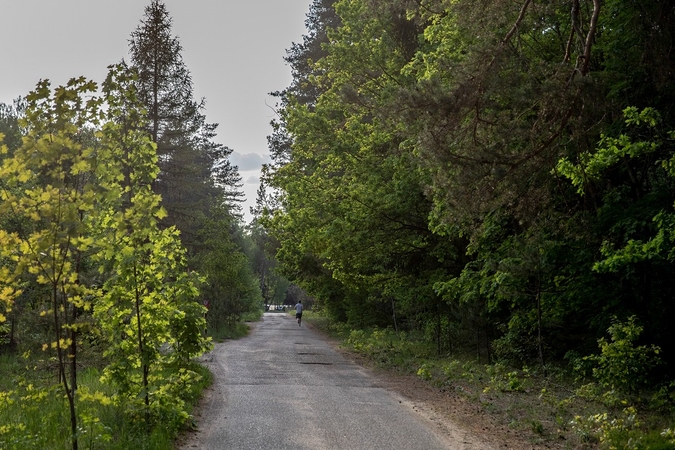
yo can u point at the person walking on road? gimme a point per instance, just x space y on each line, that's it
298 311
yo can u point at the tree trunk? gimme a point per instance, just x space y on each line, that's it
438 327
487 341
68 389
393 312
539 325
141 349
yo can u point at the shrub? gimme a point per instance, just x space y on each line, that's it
610 432
621 365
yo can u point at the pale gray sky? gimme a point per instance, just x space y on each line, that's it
233 48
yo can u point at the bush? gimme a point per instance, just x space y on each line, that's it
611 432
505 380
621 365
389 348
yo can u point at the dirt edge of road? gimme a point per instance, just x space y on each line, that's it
453 415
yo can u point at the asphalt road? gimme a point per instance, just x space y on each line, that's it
285 387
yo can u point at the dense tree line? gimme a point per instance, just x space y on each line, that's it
119 222
496 175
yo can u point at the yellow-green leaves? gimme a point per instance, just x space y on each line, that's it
80 187
611 151
9 286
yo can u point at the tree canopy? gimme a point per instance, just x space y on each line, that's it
486 172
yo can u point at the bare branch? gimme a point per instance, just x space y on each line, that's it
590 37
511 32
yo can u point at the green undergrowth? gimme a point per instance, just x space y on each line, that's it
34 412
556 406
229 331
234 330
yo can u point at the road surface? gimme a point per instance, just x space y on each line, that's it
285 387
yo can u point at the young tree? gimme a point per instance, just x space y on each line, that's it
82 179
150 298
49 181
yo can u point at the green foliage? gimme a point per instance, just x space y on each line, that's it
231 287
54 190
352 226
428 158
151 323
526 398
610 432
389 348
644 140
34 417
622 365
424 373
229 331
505 380
623 430
148 314
610 151
669 435
90 199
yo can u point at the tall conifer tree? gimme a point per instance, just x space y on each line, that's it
195 172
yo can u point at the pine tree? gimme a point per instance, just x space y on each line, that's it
195 173
301 56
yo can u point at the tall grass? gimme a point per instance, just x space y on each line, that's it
235 328
34 412
229 331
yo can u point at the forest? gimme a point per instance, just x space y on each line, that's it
123 253
495 178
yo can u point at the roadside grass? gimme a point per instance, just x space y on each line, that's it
253 316
552 408
234 330
34 411
229 331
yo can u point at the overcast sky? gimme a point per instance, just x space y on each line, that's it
233 48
